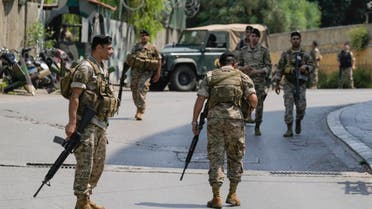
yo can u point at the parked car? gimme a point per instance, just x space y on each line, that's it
196 52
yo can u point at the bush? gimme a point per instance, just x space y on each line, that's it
362 78
359 38
328 81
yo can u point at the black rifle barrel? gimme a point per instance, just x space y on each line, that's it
195 140
71 144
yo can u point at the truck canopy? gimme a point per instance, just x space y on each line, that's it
236 32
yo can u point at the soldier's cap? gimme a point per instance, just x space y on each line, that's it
144 32
227 56
101 40
295 33
256 31
248 28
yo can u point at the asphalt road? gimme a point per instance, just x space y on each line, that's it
163 137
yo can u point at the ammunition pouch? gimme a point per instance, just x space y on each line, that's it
108 106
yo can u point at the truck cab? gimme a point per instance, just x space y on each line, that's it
196 52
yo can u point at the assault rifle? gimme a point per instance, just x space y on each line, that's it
69 145
122 78
298 76
194 141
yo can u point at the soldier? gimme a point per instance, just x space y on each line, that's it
257 65
316 56
245 41
346 62
90 87
286 68
225 88
145 62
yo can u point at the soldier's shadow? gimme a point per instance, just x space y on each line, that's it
169 205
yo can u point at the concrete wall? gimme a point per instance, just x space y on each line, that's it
14 21
330 41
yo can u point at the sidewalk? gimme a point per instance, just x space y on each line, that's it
353 125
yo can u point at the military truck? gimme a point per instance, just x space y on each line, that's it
197 52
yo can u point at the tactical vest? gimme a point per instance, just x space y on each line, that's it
345 59
102 98
143 59
291 65
225 87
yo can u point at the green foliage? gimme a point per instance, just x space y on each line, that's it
147 17
36 34
359 38
342 12
279 16
328 81
362 78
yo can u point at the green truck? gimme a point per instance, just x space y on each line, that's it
197 51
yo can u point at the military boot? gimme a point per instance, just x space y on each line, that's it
82 203
289 132
216 201
298 127
232 197
139 114
257 131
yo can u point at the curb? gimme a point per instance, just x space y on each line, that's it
337 128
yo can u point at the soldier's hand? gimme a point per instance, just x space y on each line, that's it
277 89
195 129
156 78
70 129
303 69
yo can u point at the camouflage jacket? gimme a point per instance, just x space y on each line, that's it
257 58
287 65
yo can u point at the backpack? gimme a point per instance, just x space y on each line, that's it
67 79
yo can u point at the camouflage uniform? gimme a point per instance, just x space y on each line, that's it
242 43
259 59
286 68
141 74
315 55
345 58
90 155
225 128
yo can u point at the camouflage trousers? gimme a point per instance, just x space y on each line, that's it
346 78
261 96
313 81
140 85
289 102
90 158
225 136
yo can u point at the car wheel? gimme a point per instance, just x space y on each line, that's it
183 79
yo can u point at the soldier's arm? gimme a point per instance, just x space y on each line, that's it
72 111
352 61
78 85
267 62
249 92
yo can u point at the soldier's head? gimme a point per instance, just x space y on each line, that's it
346 46
248 31
254 37
144 35
227 58
295 39
315 44
102 47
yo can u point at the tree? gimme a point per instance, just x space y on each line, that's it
278 16
342 12
146 15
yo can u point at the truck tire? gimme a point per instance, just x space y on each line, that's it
183 79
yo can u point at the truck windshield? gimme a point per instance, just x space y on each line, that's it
195 37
